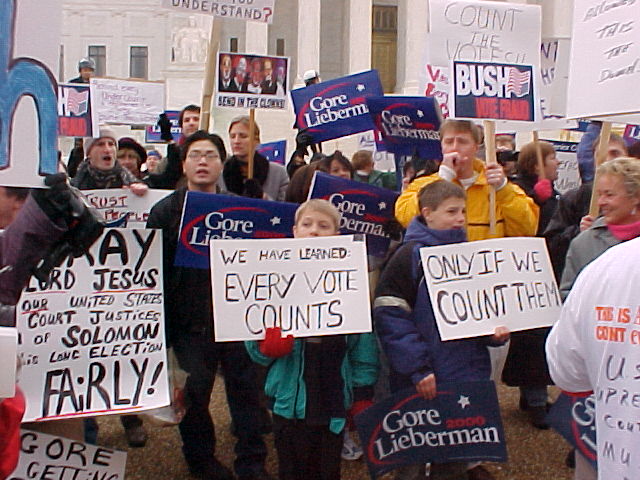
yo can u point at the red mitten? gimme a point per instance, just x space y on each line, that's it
275 345
543 189
11 411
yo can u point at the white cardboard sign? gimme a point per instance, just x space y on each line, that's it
251 10
477 286
126 102
604 67
8 352
306 286
568 170
48 456
121 208
92 336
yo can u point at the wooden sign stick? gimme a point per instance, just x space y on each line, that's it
210 74
252 141
599 157
490 157
536 138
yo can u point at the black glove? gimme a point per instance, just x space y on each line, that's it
303 140
393 229
58 201
252 188
165 127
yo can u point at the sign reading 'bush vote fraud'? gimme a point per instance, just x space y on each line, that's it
490 90
92 335
477 286
461 424
251 81
252 10
605 59
305 286
336 108
207 216
364 209
119 207
74 111
574 417
407 125
49 457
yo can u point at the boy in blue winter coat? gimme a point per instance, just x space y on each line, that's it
313 382
404 318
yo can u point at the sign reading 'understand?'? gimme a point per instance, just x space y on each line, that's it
92 335
252 10
209 216
305 286
336 108
461 424
47 456
477 286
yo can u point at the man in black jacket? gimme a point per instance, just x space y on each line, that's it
189 316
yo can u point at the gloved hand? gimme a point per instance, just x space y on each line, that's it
252 189
303 140
274 344
58 201
543 190
165 127
392 228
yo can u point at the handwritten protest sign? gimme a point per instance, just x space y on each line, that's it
92 336
336 108
253 10
208 216
273 151
407 125
554 74
461 424
305 286
364 209
605 59
74 111
574 417
152 132
8 351
47 456
28 117
121 208
568 171
126 102
475 287
252 81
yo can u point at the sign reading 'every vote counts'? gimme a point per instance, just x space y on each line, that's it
461 424
208 216
46 456
305 286
92 335
477 286
336 108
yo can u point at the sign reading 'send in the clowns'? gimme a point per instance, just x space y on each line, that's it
461 424
493 91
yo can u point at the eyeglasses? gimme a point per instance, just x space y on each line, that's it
197 155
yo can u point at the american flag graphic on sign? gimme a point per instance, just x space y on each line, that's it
77 102
518 83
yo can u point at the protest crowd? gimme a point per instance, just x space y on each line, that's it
378 330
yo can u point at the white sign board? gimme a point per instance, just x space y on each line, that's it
252 10
554 73
92 336
8 352
568 170
305 286
50 457
121 208
29 57
477 286
126 102
604 67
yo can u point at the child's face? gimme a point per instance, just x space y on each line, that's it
449 214
314 224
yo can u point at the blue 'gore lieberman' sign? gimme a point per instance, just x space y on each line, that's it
462 424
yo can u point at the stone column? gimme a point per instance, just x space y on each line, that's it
412 37
308 54
358 45
256 38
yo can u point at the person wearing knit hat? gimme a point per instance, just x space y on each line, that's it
131 155
153 161
101 168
